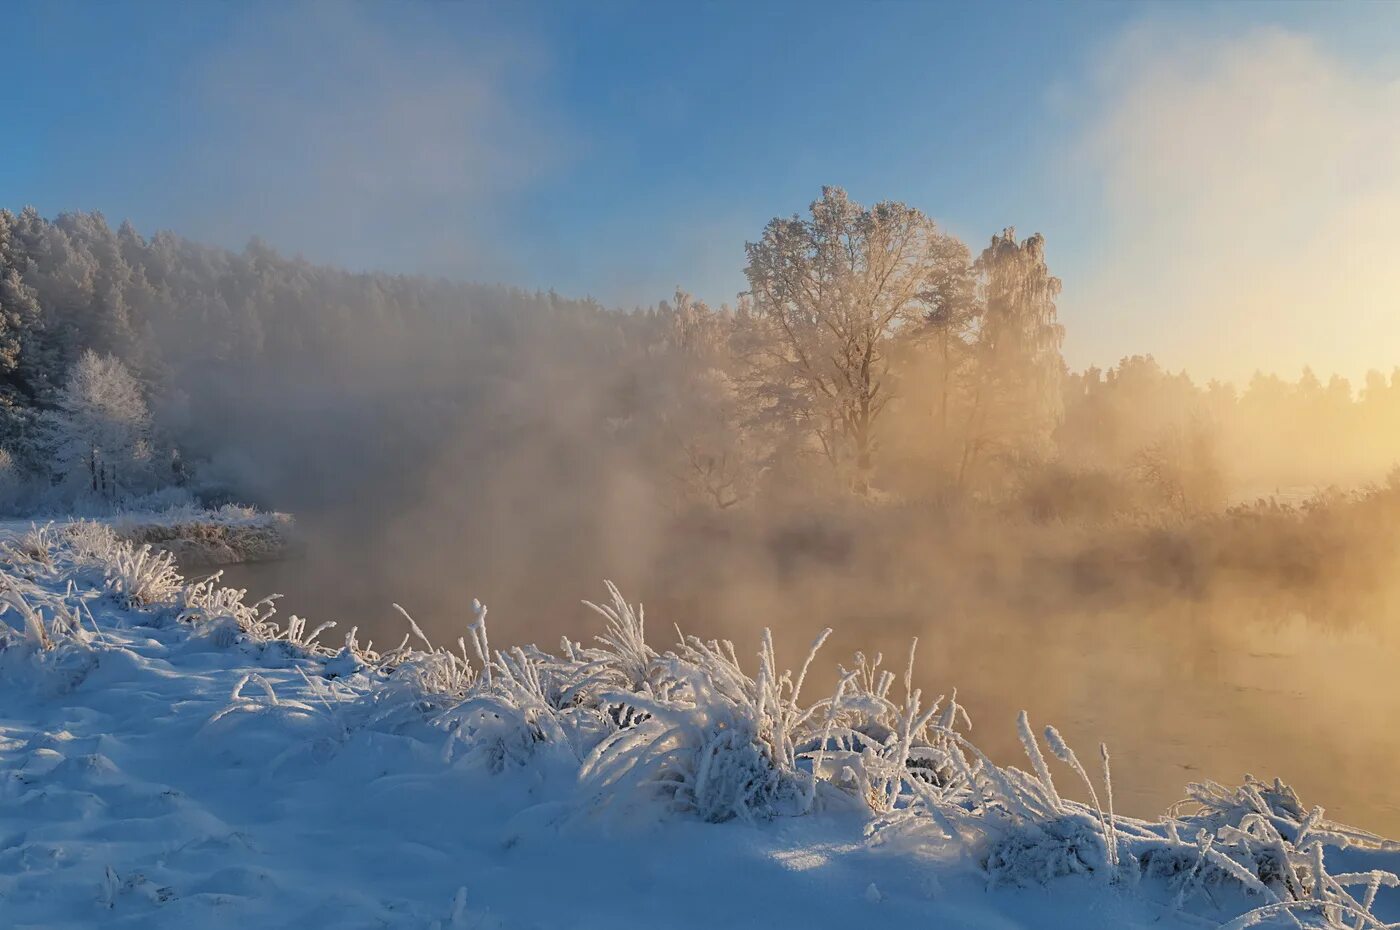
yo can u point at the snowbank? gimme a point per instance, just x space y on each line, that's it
198 537
172 757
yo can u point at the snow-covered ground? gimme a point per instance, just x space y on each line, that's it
170 758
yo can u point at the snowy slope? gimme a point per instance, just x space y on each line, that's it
163 763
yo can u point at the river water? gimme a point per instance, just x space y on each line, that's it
1175 699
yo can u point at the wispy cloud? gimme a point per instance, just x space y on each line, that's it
371 143
1251 187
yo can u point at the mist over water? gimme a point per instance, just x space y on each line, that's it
1179 688
523 463
1054 534
1057 541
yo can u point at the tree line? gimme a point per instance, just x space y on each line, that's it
873 354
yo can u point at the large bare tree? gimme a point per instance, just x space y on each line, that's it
830 292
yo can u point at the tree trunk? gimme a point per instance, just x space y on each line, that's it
972 440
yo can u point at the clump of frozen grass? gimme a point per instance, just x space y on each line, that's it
1256 840
138 577
1259 837
40 549
295 632
872 746
1213 806
520 715
431 670
710 740
624 659
37 619
43 637
689 729
36 545
1015 825
224 612
525 703
89 541
142 576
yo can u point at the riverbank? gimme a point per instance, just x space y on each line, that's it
174 758
197 537
206 538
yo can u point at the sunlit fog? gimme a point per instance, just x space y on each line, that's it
1064 344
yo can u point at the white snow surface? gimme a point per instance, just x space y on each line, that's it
166 762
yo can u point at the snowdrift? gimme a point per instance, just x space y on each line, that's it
170 755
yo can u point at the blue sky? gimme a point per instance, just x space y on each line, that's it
621 149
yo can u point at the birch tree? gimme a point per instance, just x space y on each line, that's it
1016 397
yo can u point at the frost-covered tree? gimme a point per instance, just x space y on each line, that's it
1016 398
100 431
1181 469
952 317
869 338
21 376
713 458
830 293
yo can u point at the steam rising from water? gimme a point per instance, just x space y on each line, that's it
428 474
